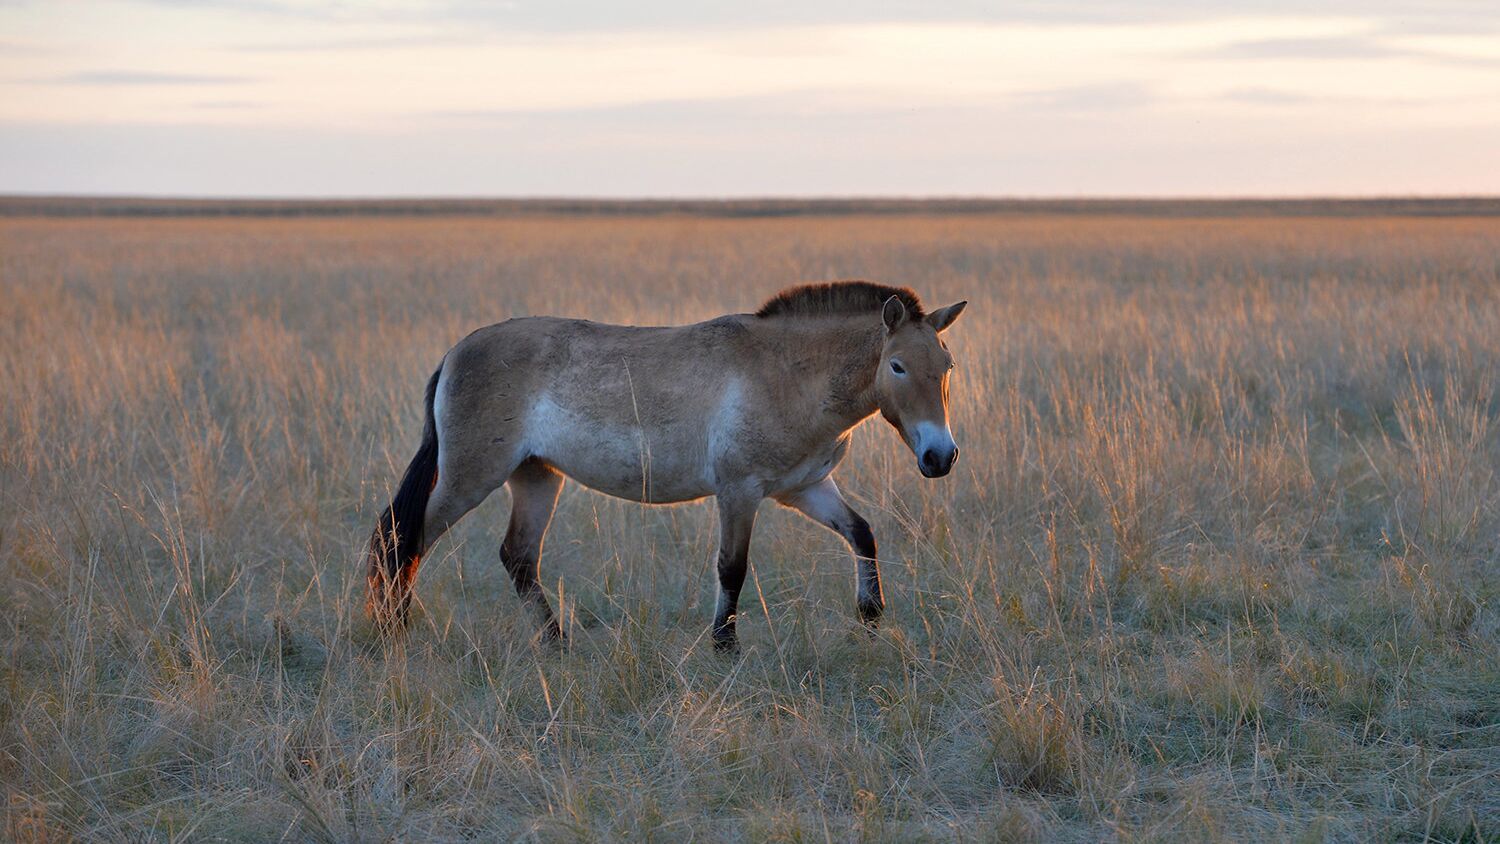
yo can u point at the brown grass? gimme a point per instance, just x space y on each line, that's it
1219 561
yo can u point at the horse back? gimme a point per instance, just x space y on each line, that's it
637 412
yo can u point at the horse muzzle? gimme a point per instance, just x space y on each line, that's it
935 463
935 449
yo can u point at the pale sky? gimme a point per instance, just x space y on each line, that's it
704 99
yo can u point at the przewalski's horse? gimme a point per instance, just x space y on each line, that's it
743 407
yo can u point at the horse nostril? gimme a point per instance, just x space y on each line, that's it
936 464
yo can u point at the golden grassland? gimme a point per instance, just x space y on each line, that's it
1218 561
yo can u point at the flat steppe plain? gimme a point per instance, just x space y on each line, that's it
1219 561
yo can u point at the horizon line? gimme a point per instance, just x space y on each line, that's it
136 196
98 206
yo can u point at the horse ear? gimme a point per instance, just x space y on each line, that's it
941 318
894 313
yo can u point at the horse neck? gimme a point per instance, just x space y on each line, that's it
843 354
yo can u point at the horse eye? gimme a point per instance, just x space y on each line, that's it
896 368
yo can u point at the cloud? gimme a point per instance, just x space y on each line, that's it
1270 97
819 102
139 77
19 47
1102 97
1273 97
1349 47
826 109
226 105
1345 48
391 42
679 15
281 8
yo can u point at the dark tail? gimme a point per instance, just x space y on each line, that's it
396 545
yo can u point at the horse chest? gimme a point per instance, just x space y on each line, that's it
814 467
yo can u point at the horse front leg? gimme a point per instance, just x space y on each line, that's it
736 523
823 503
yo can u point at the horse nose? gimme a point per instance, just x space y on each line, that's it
935 463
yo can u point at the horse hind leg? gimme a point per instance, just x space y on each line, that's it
393 572
441 485
534 487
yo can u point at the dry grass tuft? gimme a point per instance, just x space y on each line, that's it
1036 744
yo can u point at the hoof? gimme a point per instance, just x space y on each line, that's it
725 642
551 634
869 614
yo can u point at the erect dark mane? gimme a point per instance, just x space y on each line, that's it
838 297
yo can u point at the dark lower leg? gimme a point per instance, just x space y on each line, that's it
731 579
736 521
862 541
521 560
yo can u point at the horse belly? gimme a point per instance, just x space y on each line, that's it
654 467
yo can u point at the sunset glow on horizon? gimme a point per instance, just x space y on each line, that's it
248 98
